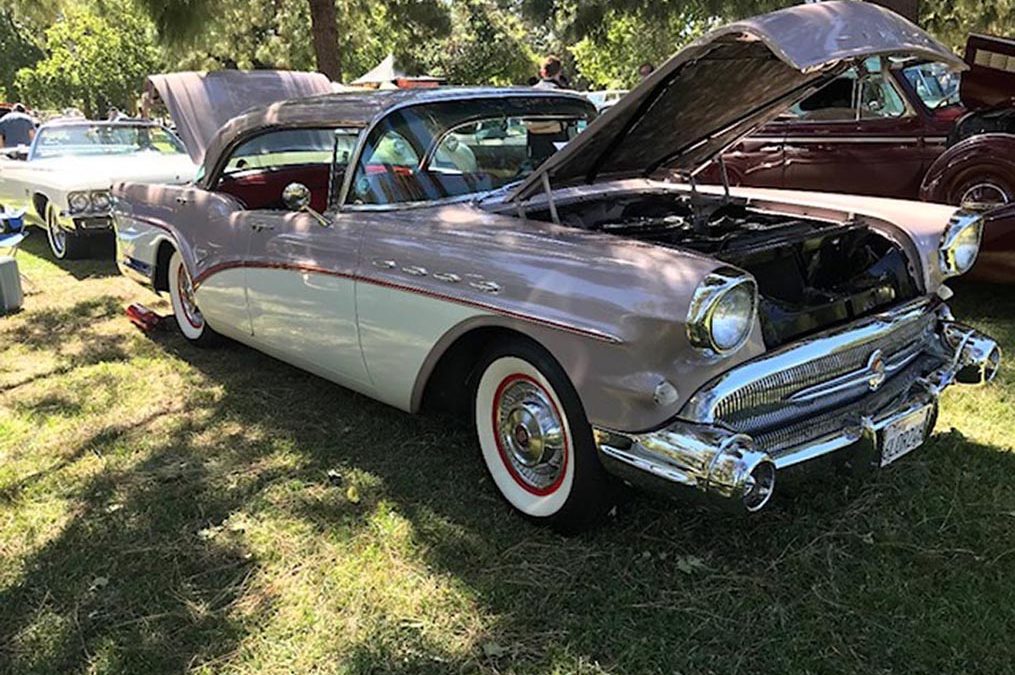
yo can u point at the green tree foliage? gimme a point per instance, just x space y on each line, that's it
94 59
611 60
18 49
487 45
278 32
952 20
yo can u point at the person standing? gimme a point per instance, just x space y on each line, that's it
551 75
16 127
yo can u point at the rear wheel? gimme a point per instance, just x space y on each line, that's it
535 439
983 190
185 309
64 244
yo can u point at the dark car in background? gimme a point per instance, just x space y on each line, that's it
905 128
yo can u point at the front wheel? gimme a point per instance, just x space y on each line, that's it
535 439
185 309
64 245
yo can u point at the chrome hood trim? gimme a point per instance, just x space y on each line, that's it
728 83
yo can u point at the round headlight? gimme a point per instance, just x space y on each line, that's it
101 200
732 317
78 202
722 311
961 244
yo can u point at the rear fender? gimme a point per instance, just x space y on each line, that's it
986 154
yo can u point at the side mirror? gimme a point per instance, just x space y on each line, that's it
296 197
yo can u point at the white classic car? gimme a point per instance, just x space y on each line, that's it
62 180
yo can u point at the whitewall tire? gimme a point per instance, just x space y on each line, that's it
535 440
188 316
64 245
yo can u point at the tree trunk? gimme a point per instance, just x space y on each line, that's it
324 28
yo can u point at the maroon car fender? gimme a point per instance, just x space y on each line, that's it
987 159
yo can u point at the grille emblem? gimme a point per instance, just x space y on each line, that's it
876 370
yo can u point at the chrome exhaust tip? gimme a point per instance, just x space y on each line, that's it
760 487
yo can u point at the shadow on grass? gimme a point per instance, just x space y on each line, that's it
908 570
99 263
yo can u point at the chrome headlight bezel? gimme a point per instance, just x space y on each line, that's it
707 298
101 200
84 202
961 227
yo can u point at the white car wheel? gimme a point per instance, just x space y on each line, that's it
535 439
185 309
525 437
55 234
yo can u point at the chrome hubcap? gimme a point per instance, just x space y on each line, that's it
530 433
187 299
985 194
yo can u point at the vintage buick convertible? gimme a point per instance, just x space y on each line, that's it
62 180
594 322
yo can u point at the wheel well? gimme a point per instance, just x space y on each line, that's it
161 278
453 377
39 201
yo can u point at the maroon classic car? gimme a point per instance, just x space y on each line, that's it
902 127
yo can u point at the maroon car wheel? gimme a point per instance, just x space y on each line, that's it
984 190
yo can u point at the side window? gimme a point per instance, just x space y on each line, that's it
260 168
392 149
866 93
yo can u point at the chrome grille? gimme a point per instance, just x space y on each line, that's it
763 402
782 439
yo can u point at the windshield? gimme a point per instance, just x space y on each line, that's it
92 139
935 84
457 148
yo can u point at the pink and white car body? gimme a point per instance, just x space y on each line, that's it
399 272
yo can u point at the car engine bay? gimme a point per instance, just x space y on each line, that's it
812 275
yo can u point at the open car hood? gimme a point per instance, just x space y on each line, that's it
990 80
726 84
200 103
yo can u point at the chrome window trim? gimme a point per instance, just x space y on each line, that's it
342 201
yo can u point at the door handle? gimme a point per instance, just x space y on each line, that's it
260 227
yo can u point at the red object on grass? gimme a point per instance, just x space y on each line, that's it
144 318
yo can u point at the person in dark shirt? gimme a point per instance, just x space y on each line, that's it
552 74
16 127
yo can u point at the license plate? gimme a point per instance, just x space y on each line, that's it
904 435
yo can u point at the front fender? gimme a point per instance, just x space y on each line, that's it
987 154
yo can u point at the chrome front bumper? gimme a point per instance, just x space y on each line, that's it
705 454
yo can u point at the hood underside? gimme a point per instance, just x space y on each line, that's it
200 103
728 83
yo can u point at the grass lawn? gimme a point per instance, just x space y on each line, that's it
167 509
